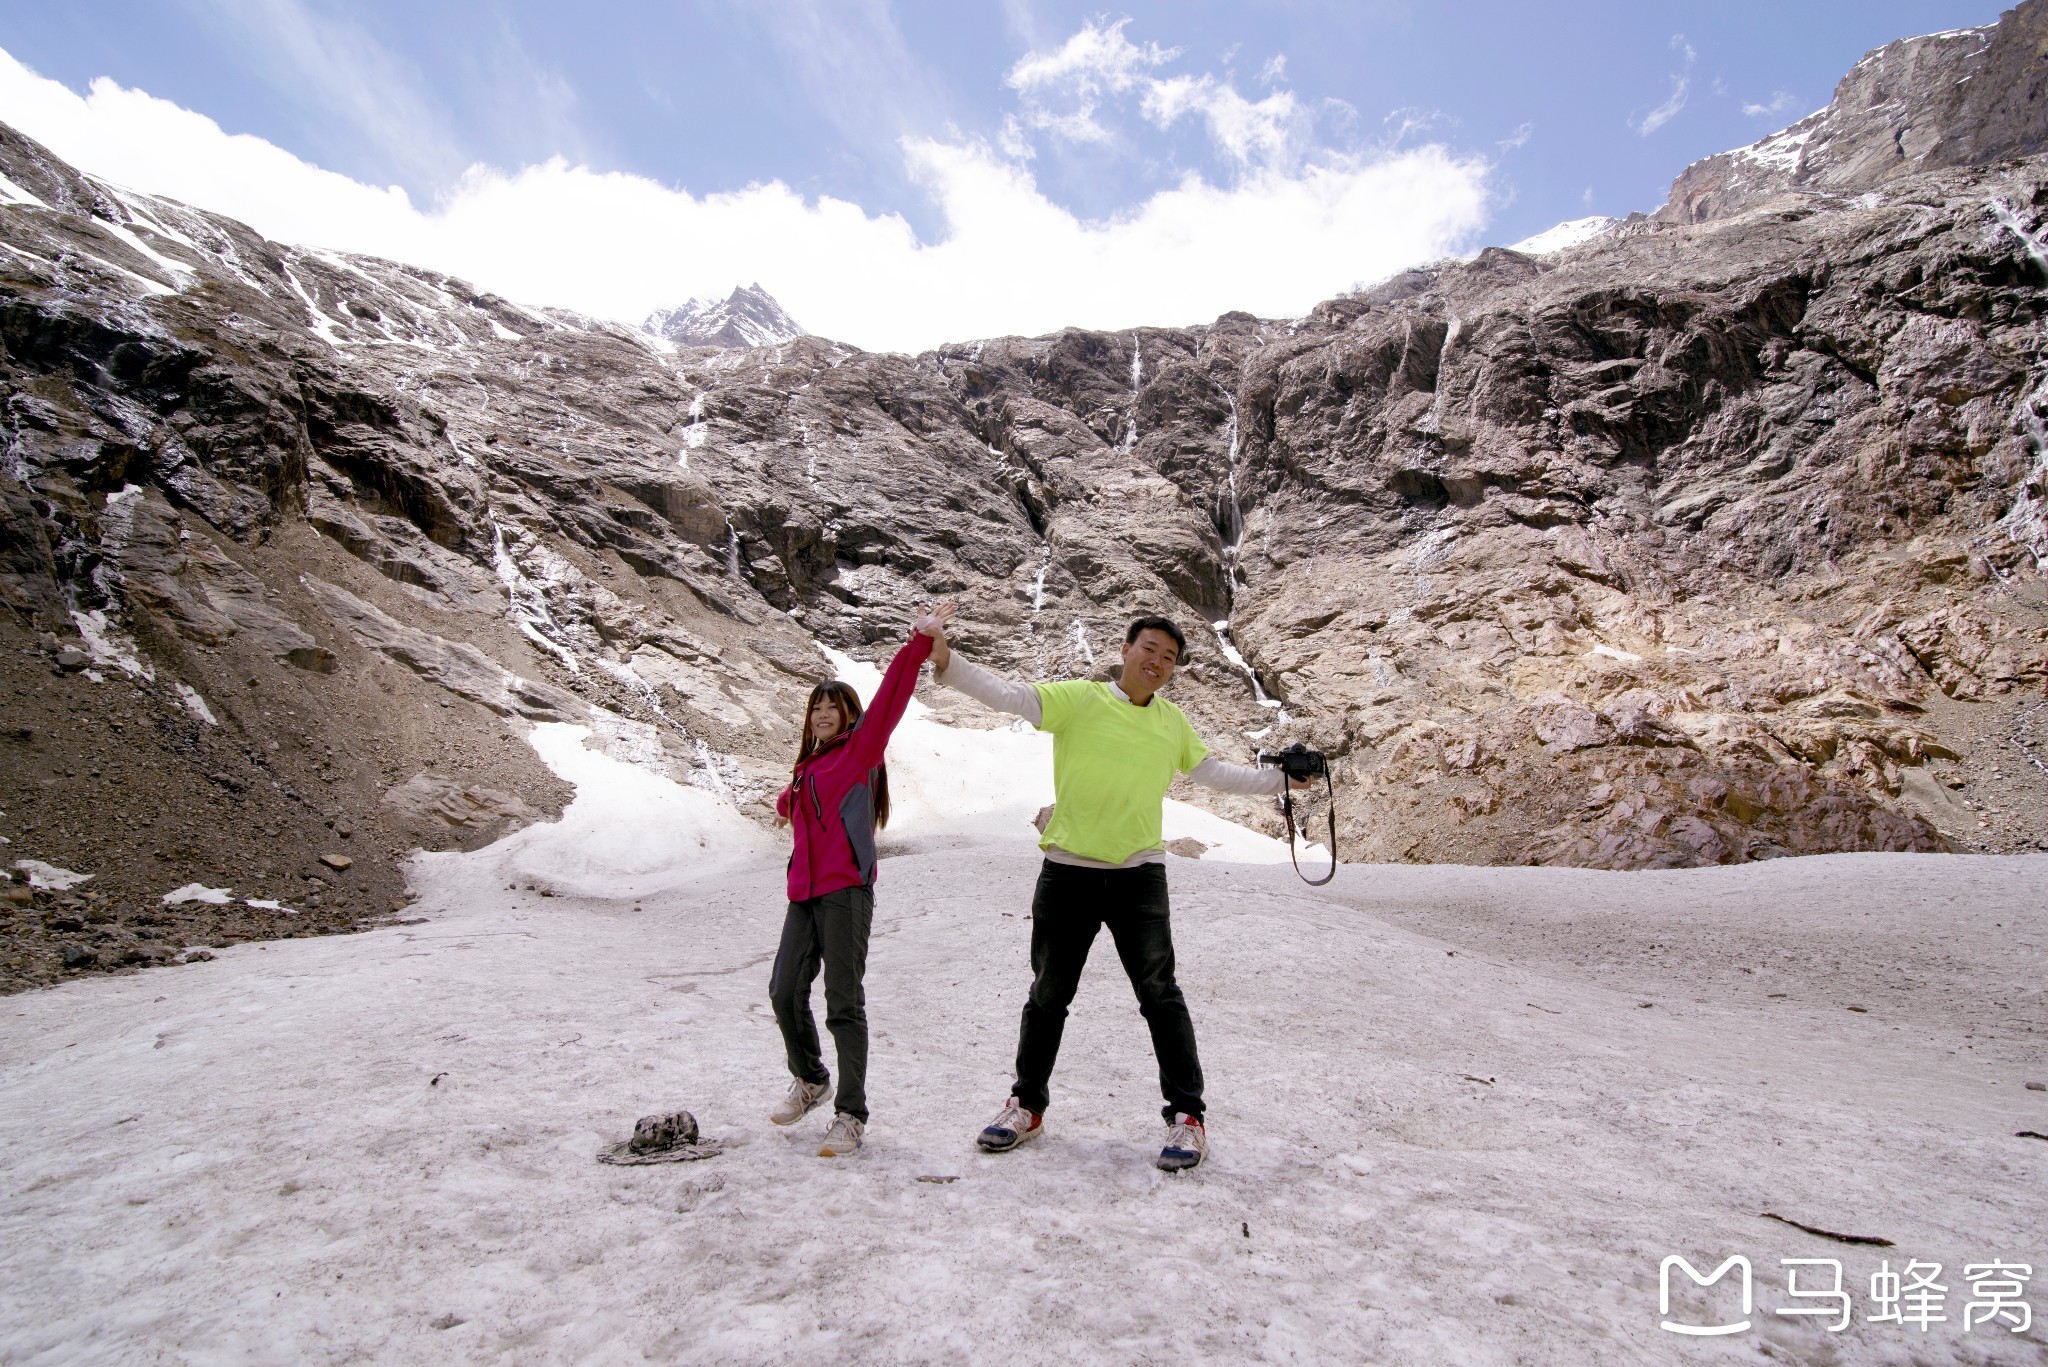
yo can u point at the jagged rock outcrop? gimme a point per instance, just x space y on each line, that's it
1967 97
749 316
1695 542
1595 552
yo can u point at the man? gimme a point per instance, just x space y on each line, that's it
1116 747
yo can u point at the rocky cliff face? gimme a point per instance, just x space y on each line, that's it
1967 97
1701 541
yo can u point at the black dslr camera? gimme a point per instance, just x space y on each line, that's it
1298 761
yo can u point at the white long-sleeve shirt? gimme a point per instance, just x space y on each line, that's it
1021 699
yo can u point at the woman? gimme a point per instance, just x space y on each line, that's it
837 797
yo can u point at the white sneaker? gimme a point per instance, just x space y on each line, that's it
843 1138
1187 1144
1010 1128
802 1096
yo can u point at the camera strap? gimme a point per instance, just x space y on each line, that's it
1287 812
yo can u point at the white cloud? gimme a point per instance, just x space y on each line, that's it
1779 103
1066 91
1681 84
1096 62
1399 125
1667 111
1274 242
1252 134
1518 138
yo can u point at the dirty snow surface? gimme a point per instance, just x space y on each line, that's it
1458 1115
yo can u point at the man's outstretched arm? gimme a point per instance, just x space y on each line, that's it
1236 778
989 689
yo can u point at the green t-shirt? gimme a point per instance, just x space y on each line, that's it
1111 763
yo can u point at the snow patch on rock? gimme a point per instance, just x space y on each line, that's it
41 875
1569 233
199 892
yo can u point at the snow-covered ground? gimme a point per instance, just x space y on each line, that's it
1458 1115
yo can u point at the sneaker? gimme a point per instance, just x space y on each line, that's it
843 1138
802 1096
1187 1143
1011 1128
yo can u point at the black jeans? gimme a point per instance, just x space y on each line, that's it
1070 906
832 928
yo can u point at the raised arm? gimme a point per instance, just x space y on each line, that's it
991 690
871 737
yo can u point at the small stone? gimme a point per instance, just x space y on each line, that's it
344 829
2037 1086
71 657
75 957
337 862
198 956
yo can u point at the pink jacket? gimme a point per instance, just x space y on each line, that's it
831 803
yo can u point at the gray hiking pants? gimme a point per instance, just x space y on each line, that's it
833 930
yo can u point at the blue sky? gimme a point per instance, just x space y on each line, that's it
1499 119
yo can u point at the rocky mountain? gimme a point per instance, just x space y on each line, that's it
1713 537
1967 97
749 316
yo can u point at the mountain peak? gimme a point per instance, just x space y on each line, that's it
1965 97
748 317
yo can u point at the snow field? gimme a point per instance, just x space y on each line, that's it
380 1147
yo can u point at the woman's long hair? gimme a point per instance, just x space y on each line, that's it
842 696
